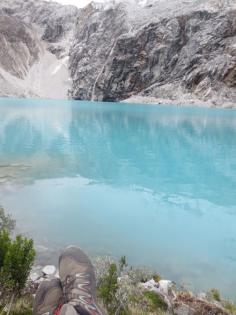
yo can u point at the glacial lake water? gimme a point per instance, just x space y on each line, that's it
154 183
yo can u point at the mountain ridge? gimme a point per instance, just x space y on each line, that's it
168 50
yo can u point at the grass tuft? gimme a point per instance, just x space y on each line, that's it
156 301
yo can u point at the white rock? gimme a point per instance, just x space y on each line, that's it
41 279
183 310
202 296
150 285
34 276
49 270
162 288
165 286
123 278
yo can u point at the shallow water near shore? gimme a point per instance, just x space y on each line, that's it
154 183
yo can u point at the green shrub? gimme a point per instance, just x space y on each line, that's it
156 301
215 294
229 306
140 274
17 264
108 288
5 242
22 306
156 277
122 263
122 296
6 222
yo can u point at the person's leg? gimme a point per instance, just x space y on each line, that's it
78 281
49 297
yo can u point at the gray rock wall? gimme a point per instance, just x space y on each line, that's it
168 49
195 52
35 37
96 34
53 19
19 48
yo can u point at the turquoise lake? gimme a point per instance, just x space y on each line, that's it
154 183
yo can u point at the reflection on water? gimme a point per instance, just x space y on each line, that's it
154 183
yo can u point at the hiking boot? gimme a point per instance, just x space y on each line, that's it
49 298
68 309
78 281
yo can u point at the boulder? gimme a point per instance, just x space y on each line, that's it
183 309
34 276
49 270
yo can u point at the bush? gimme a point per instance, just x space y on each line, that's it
140 274
102 265
22 306
5 242
215 294
17 263
156 301
6 222
122 264
108 288
16 259
156 277
229 306
119 290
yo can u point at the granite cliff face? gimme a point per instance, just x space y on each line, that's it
184 57
19 50
96 34
190 55
19 46
179 50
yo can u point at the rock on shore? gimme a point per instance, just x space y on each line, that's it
177 302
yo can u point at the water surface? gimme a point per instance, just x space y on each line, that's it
157 184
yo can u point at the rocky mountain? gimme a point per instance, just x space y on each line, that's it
19 50
53 22
35 40
178 50
188 54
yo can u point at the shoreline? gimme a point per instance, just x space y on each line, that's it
178 102
145 100
49 256
178 300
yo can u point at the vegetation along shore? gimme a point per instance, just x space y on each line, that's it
122 289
